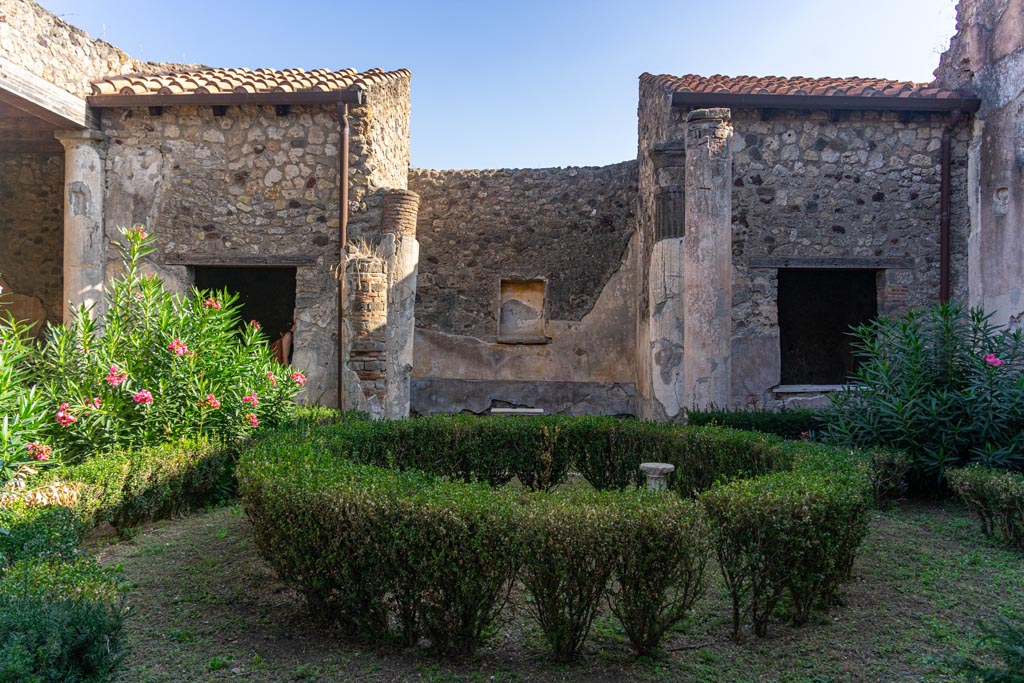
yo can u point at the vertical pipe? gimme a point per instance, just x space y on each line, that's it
945 192
343 152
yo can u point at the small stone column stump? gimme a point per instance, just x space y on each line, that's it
657 474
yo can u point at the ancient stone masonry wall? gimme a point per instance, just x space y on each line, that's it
986 58
568 226
58 52
252 183
866 185
31 232
569 231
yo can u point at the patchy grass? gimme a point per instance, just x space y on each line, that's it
206 608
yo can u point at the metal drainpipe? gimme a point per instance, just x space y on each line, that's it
343 150
945 191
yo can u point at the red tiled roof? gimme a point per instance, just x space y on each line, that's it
797 86
242 81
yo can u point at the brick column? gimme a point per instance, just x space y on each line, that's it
402 252
84 246
707 260
366 318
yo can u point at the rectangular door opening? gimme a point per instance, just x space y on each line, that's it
817 308
266 295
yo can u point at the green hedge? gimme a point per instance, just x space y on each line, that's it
392 527
793 423
996 497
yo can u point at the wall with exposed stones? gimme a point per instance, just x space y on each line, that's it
865 185
58 52
221 189
570 228
986 57
32 234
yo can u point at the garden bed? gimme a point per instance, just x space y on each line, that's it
205 607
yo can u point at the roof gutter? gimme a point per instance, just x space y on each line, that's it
851 102
353 96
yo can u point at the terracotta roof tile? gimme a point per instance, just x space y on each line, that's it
222 81
777 85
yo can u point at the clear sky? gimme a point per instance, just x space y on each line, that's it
530 83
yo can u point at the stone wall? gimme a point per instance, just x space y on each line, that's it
58 52
31 232
865 185
252 183
986 57
571 229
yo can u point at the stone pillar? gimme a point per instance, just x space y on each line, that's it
707 260
402 253
366 318
665 286
84 246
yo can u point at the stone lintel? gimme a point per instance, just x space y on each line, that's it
79 137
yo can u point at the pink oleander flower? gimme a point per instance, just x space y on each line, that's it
140 230
255 323
253 420
298 378
143 398
39 451
177 347
64 418
95 402
212 303
273 380
210 402
116 376
252 399
993 360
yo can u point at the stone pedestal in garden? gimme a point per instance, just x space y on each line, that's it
657 474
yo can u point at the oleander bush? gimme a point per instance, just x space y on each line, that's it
790 423
22 410
794 532
996 497
162 367
943 384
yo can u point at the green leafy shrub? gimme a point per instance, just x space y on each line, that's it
162 367
942 384
570 550
39 532
60 622
378 548
1004 640
787 531
23 449
791 423
663 544
996 497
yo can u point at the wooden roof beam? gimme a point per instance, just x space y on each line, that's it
21 88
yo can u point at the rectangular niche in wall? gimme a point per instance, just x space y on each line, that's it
266 294
521 316
817 308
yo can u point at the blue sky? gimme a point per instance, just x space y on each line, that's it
529 83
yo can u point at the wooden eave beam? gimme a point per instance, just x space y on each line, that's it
26 91
826 102
233 99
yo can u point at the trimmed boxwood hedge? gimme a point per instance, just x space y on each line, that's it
996 497
405 527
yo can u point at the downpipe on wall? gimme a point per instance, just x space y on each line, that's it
343 154
945 192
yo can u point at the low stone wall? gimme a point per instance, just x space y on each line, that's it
32 231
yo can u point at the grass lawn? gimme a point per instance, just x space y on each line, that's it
205 607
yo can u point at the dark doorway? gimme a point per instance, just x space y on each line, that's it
266 294
816 310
